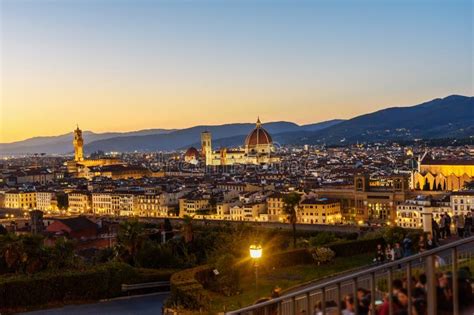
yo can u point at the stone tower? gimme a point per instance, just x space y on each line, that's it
206 146
78 143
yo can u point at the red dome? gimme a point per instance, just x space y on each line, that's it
258 136
192 152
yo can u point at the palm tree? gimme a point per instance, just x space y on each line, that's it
290 204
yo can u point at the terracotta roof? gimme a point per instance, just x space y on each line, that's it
258 136
192 151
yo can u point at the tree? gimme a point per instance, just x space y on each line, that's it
188 229
290 204
130 239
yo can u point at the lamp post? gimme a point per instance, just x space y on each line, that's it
256 254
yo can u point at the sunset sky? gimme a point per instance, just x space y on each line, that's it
113 65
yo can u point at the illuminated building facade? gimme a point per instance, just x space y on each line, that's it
442 174
258 149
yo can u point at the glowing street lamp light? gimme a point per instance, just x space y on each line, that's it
255 251
255 254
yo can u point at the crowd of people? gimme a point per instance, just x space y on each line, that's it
462 223
404 249
418 286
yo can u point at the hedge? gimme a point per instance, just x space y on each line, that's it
351 248
104 281
187 288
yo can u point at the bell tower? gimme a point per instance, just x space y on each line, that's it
78 143
206 146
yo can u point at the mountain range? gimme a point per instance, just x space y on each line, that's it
449 117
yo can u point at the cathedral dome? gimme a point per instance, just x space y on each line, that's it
258 136
192 152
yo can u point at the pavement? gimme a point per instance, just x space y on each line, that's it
150 304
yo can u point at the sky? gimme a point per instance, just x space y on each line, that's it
116 65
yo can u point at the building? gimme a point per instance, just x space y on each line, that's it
252 211
258 149
369 200
46 201
192 156
275 207
193 204
76 228
319 211
102 203
79 202
413 212
462 201
20 199
442 175
77 165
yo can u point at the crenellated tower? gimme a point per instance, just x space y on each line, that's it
78 143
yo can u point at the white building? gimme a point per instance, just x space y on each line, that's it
46 201
79 202
462 201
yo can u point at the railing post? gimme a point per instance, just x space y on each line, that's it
323 301
431 282
338 297
454 256
293 305
280 308
308 302
410 302
390 289
354 293
372 292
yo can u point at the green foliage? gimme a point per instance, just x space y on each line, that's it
187 290
322 255
99 282
227 282
27 254
394 234
322 238
351 248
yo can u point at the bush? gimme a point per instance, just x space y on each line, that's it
104 281
227 281
299 256
351 248
187 288
322 255
323 238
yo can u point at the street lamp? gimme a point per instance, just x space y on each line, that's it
255 254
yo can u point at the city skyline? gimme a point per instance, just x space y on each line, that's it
164 64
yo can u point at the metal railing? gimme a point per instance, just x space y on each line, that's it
326 297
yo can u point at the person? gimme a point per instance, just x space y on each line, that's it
402 298
430 242
448 224
422 280
363 301
442 227
317 309
468 224
389 254
444 292
407 246
348 306
422 244
397 285
460 225
435 230
380 254
397 251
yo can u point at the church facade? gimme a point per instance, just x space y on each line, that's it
258 149
442 174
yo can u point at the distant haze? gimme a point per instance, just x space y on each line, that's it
132 65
